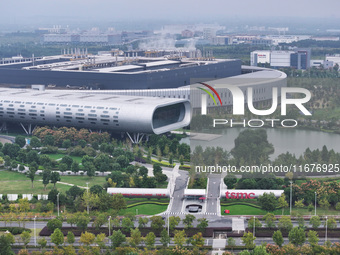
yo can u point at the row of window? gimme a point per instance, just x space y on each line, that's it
62 105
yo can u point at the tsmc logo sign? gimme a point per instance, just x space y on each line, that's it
239 195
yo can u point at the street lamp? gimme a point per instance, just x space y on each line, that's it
109 230
35 233
290 202
136 211
326 231
87 189
58 202
168 229
254 227
315 203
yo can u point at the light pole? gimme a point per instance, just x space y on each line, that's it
315 203
326 231
290 202
35 233
109 230
168 229
58 202
254 227
87 190
136 211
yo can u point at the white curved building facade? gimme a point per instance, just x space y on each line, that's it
97 111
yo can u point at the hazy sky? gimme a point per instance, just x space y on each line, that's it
63 11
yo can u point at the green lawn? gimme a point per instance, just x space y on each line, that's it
60 156
249 210
17 183
11 176
147 209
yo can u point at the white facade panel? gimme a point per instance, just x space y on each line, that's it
139 192
280 58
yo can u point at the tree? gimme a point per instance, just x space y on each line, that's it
282 202
251 223
62 167
31 174
42 242
100 240
268 202
117 238
179 237
55 177
230 180
5 246
25 237
97 189
142 222
150 240
75 167
260 250
299 203
24 205
136 237
57 237
20 140
315 221
54 224
66 143
313 237
165 238
331 223
202 224
70 238
278 238
285 223
46 175
87 238
248 240
269 219
197 240
173 222
157 223
100 220
297 236
188 220
127 224
35 142
83 219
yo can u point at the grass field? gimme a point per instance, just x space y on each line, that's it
249 210
147 209
60 156
17 183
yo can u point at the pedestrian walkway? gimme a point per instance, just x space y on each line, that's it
238 224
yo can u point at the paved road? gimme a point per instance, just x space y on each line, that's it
213 195
177 199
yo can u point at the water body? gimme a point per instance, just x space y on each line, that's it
295 141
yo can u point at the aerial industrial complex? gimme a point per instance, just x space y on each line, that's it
127 94
112 71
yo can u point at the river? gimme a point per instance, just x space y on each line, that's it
296 141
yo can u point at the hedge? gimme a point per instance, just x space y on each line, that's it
14 230
145 203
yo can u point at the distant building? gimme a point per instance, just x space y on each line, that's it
299 58
187 33
335 59
259 57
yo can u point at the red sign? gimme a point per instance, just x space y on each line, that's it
226 211
239 195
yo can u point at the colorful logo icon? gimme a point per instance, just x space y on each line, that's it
209 93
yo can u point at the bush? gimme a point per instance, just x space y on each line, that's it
54 224
14 230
